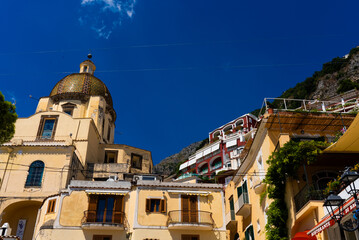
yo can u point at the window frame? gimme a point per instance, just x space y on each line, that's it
107 152
51 206
30 177
162 207
140 164
42 125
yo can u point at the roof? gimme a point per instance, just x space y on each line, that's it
308 122
76 84
100 184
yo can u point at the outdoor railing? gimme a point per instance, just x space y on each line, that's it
104 217
306 194
287 104
190 217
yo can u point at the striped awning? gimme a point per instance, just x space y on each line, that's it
106 192
184 192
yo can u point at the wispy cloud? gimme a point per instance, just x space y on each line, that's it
103 16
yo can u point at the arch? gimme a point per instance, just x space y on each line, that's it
203 168
21 210
216 163
227 129
321 179
36 171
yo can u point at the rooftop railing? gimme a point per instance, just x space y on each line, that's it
286 104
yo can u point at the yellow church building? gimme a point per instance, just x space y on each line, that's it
62 177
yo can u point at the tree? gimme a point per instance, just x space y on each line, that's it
8 117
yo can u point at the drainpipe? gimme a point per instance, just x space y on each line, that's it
10 149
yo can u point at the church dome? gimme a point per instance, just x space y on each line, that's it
81 85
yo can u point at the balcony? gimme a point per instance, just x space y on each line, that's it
190 220
305 195
104 220
230 218
105 170
242 207
258 185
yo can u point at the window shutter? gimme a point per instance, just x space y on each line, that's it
148 204
118 210
163 205
91 214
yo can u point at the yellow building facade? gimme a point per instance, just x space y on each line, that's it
246 201
145 208
70 136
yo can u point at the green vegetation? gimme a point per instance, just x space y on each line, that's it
346 85
303 90
284 163
202 144
8 117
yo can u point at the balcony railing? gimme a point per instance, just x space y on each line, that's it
242 206
187 219
104 218
305 195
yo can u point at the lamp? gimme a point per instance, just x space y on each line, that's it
334 203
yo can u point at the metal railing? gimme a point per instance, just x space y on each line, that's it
306 194
287 104
107 216
242 199
190 217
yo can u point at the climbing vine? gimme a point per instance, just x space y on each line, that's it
282 164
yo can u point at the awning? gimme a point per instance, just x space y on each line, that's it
327 221
185 192
106 192
303 236
349 142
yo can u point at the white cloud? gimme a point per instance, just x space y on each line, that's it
103 16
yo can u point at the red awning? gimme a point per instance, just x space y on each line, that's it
303 236
327 221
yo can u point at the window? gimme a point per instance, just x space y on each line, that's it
249 233
189 237
136 161
85 68
51 206
155 205
108 132
105 209
243 190
34 178
102 237
68 108
110 157
47 127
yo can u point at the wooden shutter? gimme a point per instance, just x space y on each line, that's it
163 205
148 204
185 208
91 213
118 210
193 209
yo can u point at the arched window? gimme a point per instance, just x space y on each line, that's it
34 178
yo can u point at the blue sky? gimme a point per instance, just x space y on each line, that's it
176 69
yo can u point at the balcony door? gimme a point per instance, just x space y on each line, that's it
189 208
105 209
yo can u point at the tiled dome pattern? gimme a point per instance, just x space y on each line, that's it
83 83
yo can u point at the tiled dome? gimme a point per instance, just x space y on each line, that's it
80 84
